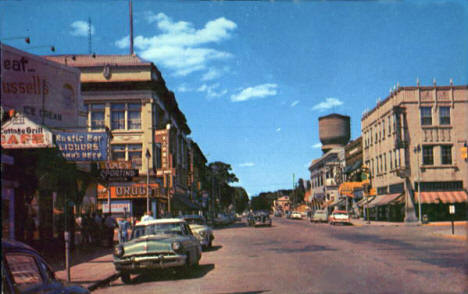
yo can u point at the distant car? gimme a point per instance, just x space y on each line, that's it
157 244
320 215
278 214
25 271
296 215
200 229
222 220
259 219
339 216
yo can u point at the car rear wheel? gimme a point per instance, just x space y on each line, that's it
125 277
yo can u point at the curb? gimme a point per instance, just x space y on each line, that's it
456 237
456 223
103 282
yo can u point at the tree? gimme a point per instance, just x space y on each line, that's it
222 176
298 193
241 199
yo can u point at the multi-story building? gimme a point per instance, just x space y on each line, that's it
412 142
324 173
127 96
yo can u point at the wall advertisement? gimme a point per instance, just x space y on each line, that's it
46 92
82 146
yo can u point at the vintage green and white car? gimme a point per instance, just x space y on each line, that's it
200 229
157 244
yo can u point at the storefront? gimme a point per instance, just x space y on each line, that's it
131 199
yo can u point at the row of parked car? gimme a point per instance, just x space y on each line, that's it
322 215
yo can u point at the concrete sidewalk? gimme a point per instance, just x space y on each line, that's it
439 229
92 273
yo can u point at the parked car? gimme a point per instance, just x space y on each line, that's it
278 214
320 215
259 219
200 229
157 244
296 215
25 271
339 216
222 220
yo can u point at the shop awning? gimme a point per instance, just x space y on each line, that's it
347 188
387 199
442 197
362 202
337 203
326 204
184 203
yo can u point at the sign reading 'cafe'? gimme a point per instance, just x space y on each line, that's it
21 133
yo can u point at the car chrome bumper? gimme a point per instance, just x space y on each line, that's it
150 262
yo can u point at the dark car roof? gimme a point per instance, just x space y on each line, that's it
12 245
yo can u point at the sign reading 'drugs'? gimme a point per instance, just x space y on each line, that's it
20 132
82 146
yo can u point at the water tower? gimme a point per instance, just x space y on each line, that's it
334 131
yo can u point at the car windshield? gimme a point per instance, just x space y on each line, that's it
157 229
195 221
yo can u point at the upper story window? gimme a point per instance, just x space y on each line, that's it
118 152
134 154
389 125
134 116
444 115
96 116
426 116
428 155
446 154
118 116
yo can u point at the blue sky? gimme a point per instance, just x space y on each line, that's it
252 77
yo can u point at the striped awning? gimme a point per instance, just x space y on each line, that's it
326 204
387 199
442 197
362 202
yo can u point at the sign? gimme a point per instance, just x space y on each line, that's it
162 137
113 175
452 209
82 146
116 171
129 190
117 206
21 133
46 92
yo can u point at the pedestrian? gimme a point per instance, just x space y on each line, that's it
110 224
85 229
124 226
147 216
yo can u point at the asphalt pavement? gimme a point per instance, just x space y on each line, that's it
296 256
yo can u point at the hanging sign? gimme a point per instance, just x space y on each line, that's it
117 171
82 146
21 133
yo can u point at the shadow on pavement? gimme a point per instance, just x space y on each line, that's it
232 226
248 292
56 256
213 248
308 248
172 275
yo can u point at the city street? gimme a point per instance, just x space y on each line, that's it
295 256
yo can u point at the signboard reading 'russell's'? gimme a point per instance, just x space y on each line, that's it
82 146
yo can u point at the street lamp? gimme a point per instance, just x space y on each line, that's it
417 150
148 155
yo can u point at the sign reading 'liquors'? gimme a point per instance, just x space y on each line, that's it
82 146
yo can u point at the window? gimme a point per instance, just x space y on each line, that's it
157 151
444 115
446 154
383 129
96 116
118 152
389 125
134 116
134 155
428 155
426 116
390 159
118 116
385 162
24 271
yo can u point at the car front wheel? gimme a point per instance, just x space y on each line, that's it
125 277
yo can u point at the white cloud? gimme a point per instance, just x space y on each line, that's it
211 90
259 91
295 103
180 47
327 104
278 130
211 74
318 145
80 28
183 88
247 164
